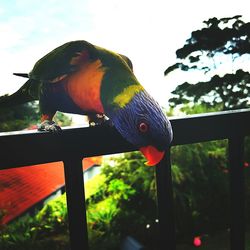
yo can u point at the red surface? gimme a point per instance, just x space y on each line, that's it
21 188
197 241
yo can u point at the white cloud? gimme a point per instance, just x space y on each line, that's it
147 31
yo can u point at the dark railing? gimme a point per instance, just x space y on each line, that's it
71 145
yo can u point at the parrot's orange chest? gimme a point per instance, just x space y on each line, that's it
84 87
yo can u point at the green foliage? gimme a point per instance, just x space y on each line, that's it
18 117
200 177
132 170
206 51
228 92
53 217
46 230
200 187
10 237
62 120
121 202
120 190
197 109
21 117
93 185
225 35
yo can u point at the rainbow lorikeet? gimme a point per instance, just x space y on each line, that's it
79 77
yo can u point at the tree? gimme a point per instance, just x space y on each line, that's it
18 117
23 116
207 50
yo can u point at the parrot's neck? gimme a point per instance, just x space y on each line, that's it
118 88
125 102
125 97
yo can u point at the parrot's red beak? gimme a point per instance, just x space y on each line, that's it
152 154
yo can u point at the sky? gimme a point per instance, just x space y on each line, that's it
147 31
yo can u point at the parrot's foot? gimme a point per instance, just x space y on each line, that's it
49 126
108 123
97 119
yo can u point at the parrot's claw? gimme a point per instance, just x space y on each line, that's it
97 119
108 123
49 126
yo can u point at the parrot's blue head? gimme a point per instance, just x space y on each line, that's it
143 123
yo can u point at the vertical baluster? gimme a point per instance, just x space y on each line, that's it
237 193
165 204
76 203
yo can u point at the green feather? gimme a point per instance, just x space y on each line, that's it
57 62
118 85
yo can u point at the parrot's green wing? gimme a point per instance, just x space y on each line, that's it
63 61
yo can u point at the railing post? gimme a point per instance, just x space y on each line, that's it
237 192
74 183
166 239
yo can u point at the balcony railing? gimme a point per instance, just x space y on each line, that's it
71 145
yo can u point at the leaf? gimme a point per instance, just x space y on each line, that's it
172 68
229 35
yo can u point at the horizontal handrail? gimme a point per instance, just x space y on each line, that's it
25 148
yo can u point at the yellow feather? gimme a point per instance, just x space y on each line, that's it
126 95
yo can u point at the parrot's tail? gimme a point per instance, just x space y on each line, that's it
25 94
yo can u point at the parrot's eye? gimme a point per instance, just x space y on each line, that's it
143 127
